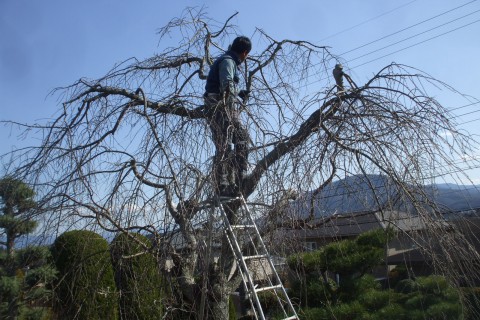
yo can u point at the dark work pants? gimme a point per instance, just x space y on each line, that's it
231 142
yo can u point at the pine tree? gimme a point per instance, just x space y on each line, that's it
25 274
17 201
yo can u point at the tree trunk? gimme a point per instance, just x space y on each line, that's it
219 303
10 243
221 285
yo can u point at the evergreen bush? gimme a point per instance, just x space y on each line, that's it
357 294
137 276
86 287
232 313
26 279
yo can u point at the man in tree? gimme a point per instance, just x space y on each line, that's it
221 91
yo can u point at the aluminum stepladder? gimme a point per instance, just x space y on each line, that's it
246 234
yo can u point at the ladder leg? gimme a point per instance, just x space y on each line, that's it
259 258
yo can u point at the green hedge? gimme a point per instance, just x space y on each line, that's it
137 277
86 287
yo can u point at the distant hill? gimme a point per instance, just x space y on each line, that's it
367 193
453 197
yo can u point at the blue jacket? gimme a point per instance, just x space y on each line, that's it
223 74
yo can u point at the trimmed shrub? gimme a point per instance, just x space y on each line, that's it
86 287
406 286
435 298
232 313
348 311
375 299
138 278
390 311
314 314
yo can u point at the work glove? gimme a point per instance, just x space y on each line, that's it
243 94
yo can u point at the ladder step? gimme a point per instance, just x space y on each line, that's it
242 226
278 286
291 318
258 256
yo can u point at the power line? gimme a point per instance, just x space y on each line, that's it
367 21
416 44
455 116
416 35
407 28
381 57
391 53
402 49
464 106
469 121
466 114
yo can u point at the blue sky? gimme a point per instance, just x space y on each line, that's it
52 43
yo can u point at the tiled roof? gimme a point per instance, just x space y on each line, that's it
351 224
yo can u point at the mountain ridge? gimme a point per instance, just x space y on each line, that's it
370 192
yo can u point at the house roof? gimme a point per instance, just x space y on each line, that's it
412 256
352 224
